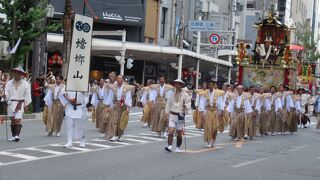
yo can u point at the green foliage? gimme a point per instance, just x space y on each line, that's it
24 20
310 46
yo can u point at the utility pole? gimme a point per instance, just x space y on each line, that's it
67 30
181 34
43 44
173 23
14 32
36 53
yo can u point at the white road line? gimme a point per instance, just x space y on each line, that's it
45 151
144 137
297 148
99 140
122 143
249 162
135 140
1 163
192 134
22 156
135 113
98 145
194 131
73 148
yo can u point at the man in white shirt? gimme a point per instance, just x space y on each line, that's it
177 106
75 116
264 111
97 101
118 101
209 105
284 107
239 108
272 117
18 97
55 107
159 95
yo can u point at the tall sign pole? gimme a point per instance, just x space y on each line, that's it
67 25
181 40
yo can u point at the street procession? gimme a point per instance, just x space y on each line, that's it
193 87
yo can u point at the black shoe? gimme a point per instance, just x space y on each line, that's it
167 149
17 139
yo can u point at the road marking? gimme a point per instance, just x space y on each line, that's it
45 151
122 143
204 150
192 134
135 140
98 145
135 113
249 162
72 147
17 155
297 148
99 140
143 137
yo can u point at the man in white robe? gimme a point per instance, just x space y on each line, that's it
75 116
18 97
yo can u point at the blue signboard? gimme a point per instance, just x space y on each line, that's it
201 26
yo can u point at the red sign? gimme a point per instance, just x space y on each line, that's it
214 38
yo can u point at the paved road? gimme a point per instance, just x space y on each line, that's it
141 156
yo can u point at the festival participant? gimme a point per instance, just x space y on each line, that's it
209 105
177 106
18 97
147 104
196 114
55 107
284 107
159 95
119 102
239 108
75 116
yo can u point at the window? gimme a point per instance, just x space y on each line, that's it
163 21
250 6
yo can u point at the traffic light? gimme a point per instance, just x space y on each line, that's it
129 63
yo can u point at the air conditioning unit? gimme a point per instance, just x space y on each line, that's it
4 50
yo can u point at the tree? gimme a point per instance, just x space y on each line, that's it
310 46
24 19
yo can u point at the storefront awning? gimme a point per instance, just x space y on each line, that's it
114 45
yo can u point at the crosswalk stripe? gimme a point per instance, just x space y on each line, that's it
73 148
122 143
17 155
46 151
192 134
114 142
136 140
98 145
193 131
99 140
143 137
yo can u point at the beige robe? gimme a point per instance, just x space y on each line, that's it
118 106
55 109
159 123
211 121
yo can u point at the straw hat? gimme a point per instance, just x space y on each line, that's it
19 70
